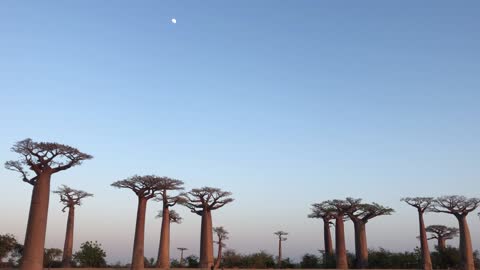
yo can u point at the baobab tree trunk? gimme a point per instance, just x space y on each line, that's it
466 251
206 239
163 260
340 249
327 236
427 262
280 253
138 243
37 225
441 244
219 255
67 248
361 249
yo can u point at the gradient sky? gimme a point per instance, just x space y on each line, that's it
284 103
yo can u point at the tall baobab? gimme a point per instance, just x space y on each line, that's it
145 187
422 204
339 209
442 234
326 214
281 238
44 159
70 198
360 213
202 201
167 184
222 235
460 207
182 249
174 217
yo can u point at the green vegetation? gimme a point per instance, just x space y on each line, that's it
90 254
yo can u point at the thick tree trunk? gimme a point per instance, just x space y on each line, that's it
441 244
426 261
327 237
466 250
361 249
181 258
163 260
206 239
219 255
279 262
37 225
340 249
138 243
67 247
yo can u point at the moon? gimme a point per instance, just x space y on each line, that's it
174 21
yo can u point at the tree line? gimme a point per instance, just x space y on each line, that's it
45 159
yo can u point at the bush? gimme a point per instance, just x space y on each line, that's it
91 254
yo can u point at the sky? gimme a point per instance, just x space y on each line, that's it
283 103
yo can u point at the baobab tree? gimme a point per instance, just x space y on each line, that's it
422 204
281 238
70 198
182 249
173 216
339 208
44 159
326 214
222 235
442 234
145 187
167 184
202 201
360 213
460 207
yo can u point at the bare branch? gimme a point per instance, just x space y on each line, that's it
174 216
442 232
71 197
456 205
421 203
147 186
206 198
43 157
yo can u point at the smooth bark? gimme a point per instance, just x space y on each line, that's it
37 224
426 260
340 249
163 260
466 250
138 243
327 236
67 247
280 252
441 244
206 240
219 255
361 249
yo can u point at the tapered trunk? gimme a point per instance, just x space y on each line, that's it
181 258
327 236
138 243
37 225
466 250
163 260
340 249
279 262
67 247
441 244
206 245
219 255
361 249
426 261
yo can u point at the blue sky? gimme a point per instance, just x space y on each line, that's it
282 103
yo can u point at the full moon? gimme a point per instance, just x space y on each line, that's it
174 21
